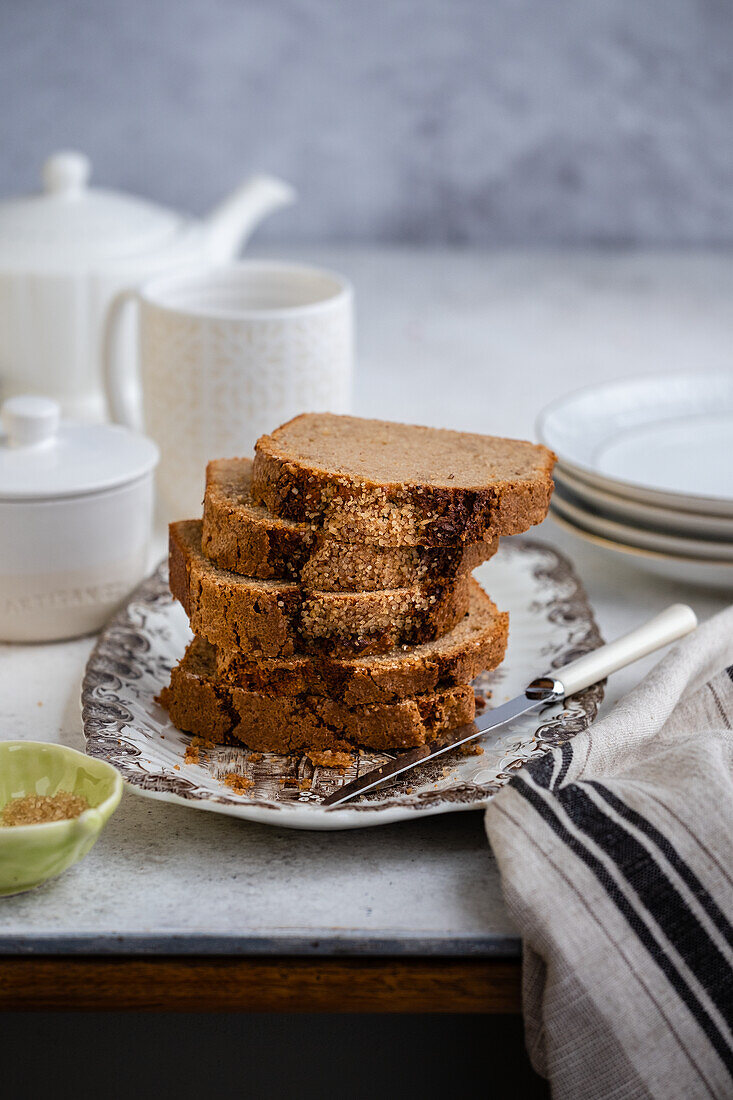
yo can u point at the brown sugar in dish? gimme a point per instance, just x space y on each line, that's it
35 809
477 643
400 484
196 701
278 618
243 537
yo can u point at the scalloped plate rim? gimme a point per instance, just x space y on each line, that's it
390 809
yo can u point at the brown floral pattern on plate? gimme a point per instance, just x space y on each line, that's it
551 623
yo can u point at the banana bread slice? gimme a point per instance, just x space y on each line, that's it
244 537
399 484
200 704
278 618
477 643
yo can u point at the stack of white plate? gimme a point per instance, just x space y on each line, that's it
645 470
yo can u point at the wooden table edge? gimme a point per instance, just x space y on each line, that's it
246 984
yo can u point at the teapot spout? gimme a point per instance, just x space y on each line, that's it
230 224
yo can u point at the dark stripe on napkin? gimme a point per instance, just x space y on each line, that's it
657 894
638 925
690 879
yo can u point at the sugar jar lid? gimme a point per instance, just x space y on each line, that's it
45 457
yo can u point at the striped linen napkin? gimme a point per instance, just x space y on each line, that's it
616 856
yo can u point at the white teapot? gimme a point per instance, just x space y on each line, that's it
66 253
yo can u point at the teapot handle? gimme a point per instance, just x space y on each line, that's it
120 382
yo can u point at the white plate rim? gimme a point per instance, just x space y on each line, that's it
654 516
637 551
666 545
636 490
706 506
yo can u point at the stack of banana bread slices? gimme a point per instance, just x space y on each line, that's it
329 584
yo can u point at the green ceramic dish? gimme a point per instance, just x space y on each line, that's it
30 854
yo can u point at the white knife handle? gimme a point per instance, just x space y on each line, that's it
668 626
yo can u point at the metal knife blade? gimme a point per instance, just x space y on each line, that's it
589 668
538 694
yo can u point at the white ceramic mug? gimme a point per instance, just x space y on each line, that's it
225 356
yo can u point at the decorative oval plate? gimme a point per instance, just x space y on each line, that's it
550 623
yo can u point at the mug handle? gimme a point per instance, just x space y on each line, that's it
119 382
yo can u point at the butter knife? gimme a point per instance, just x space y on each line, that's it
668 626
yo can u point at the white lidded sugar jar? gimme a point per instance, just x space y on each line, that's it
76 513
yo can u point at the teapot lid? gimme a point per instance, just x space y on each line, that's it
44 457
73 225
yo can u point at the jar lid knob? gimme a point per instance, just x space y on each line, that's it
66 173
30 421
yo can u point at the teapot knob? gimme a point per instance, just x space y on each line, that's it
30 421
66 173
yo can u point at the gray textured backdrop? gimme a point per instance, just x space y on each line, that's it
490 121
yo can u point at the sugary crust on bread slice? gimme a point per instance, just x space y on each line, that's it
246 538
477 643
278 618
399 484
200 704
